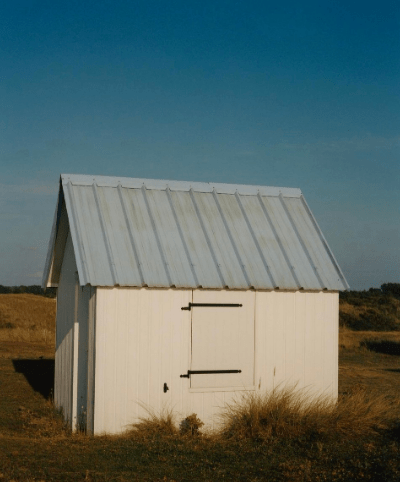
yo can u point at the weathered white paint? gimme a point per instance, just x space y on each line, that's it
143 339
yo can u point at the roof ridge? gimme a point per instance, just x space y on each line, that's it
174 185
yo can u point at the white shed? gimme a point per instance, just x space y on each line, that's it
184 294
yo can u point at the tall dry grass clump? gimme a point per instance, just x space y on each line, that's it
155 423
289 413
26 317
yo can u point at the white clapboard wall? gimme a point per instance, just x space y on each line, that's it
145 340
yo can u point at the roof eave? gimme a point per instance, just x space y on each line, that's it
53 235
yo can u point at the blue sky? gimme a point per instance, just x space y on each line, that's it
297 94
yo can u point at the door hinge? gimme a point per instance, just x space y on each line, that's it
208 372
212 305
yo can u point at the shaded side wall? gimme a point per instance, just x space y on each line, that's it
65 333
143 339
71 358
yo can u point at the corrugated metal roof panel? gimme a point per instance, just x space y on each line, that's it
201 259
156 233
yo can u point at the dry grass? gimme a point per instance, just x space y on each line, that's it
349 339
288 413
162 423
28 318
377 313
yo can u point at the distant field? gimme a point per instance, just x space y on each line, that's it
349 339
364 311
26 317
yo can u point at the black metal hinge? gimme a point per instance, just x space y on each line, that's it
212 305
208 372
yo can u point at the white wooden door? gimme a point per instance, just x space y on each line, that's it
223 339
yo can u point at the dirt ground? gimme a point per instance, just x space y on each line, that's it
370 370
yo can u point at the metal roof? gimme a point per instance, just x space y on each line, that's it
155 233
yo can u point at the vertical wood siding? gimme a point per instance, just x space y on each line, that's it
296 341
83 295
91 359
65 333
71 359
143 340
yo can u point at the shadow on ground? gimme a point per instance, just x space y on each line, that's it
394 432
39 374
387 347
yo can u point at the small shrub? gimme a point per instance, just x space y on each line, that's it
392 289
190 425
383 346
6 325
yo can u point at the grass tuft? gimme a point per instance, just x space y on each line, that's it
155 423
289 413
